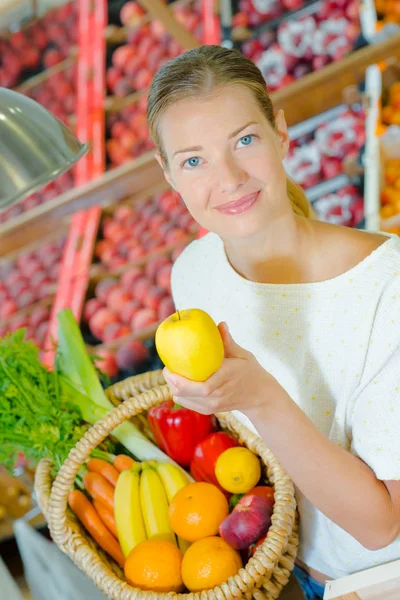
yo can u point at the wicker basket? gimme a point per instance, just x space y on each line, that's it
263 577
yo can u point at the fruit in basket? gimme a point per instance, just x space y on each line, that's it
197 511
249 520
206 455
190 344
154 503
155 565
238 470
178 430
127 509
173 478
208 563
262 491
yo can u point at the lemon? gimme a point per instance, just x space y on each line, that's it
238 470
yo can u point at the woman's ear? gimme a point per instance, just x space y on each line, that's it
164 167
282 133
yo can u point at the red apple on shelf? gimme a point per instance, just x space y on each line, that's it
106 362
104 287
114 331
117 298
153 298
131 13
19 321
91 307
7 308
141 289
128 311
131 354
38 315
142 319
100 320
129 278
155 265
163 278
165 308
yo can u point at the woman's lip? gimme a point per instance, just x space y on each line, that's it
239 206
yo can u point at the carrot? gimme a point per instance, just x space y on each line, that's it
100 489
122 462
102 467
106 516
87 515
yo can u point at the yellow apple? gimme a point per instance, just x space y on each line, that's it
189 343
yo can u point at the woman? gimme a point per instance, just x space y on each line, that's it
310 312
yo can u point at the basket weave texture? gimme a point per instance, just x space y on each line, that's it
262 578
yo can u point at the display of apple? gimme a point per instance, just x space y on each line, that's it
248 522
343 207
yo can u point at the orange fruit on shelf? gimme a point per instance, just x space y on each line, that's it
209 562
155 565
387 115
388 211
197 511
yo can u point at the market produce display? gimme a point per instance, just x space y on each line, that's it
342 207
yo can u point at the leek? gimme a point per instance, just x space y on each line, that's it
75 366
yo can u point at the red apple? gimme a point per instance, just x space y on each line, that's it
141 289
249 520
153 298
129 278
165 308
128 310
27 297
117 298
122 55
38 316
91 307
100 320
154 265
163 278
19 321
104 287
131 13
142 319
106 362
8 308
114 331
131 354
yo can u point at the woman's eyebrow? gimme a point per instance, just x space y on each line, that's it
230 136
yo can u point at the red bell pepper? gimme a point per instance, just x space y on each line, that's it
178 430
206 454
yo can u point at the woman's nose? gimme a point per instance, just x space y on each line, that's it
231 176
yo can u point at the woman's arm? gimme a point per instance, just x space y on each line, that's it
338 483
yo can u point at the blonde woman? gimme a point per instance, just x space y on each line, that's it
309 312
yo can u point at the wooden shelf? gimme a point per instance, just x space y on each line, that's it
40 78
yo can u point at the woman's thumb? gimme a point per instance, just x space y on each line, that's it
232 349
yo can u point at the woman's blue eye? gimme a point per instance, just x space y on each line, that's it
246 140
193 162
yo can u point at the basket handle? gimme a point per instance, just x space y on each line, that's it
56 509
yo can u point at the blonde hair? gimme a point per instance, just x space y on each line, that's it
202 71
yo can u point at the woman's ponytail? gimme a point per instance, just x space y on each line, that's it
298 199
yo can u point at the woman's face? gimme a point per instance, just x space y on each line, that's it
225 160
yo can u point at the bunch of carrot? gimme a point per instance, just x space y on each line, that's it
97 514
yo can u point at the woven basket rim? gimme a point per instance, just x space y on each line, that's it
139 394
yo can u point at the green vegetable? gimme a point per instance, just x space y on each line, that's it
38 413
73 362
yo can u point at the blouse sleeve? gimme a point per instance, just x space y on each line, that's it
375 407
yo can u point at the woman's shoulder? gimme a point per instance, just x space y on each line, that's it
344 248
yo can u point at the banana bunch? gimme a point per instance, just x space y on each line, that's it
141 500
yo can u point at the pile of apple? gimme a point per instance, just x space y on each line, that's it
301 45
29 278
53 189
149 46
343 207
58 94
318 155
35 321
40 46
134 232
391 112
128 133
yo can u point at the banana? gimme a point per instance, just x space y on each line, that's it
128 513
174 479
153 499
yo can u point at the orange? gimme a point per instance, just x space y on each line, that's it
209 562
155 565
387 211
197 511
